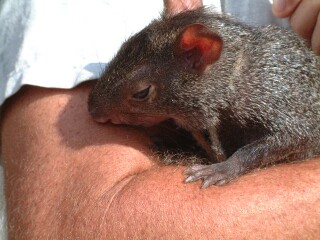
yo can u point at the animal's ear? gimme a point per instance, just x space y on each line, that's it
198 47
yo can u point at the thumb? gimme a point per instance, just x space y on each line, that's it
284 8
173 7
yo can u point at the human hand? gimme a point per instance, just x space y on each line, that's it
173 7
304 18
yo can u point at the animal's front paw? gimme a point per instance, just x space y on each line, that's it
215 174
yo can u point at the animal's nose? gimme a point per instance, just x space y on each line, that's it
103 119
108 118
97 116
115 120
101 116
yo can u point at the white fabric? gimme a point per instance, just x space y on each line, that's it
61 43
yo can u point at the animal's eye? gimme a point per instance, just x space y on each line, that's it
143 94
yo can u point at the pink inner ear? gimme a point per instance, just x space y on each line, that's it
204 44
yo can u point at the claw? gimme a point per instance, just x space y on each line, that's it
206 184
190 179
217 174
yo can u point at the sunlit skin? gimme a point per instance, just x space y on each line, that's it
304 18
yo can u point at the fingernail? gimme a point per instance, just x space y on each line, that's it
187 171
279 5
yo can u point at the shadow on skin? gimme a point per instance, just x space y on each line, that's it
105 134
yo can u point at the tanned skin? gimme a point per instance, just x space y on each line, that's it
68 177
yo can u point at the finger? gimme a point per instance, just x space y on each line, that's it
315 40
173 7
304 19
284 8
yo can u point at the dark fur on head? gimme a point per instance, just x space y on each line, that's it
149 55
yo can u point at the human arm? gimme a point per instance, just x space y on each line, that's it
304 18
68 177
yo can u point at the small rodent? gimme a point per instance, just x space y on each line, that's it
255 91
